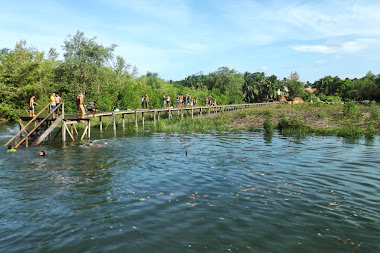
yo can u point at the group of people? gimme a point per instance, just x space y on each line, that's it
166 100
79 101
208 101
186 101
145 101
181 101
55 100
12 149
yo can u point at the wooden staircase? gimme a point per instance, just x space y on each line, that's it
40 131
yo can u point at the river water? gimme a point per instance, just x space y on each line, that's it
232 192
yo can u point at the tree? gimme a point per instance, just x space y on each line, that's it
296 87
23 72
82 59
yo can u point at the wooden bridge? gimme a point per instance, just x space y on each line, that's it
43 126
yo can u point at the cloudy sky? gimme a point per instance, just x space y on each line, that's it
177 38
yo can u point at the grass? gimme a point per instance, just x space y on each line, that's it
198 124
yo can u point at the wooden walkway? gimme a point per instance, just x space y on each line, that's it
70 119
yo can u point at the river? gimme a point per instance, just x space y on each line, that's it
197 192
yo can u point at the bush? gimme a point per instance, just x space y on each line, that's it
268 125
331 99
292 124
351 109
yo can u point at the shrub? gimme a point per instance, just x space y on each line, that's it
292 124
268 125
351 109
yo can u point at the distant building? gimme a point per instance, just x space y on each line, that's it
311 90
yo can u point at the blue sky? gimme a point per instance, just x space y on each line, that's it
177 38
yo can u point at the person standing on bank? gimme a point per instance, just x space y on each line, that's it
142 101
32 102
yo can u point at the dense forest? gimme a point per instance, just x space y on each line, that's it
94 70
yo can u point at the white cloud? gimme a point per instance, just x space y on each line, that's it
315 49
343 47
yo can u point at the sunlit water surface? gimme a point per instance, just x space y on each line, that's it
233 192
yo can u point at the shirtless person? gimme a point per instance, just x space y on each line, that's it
77 102
58 100
146 101
81 101
32 102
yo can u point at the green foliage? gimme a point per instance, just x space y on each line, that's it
351 109
197 124
331 99
259 88
268 125
296 88
292 124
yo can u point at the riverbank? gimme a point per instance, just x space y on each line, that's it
349 120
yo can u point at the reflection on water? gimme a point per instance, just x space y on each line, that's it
233 192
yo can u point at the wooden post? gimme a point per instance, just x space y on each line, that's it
181 113
75 129
154 118
84 133
49 136
100 124
209 111
27 142
192 113
89 129
136 123
170 113
158 116
63 131
142 118
123 121
114 121
200 111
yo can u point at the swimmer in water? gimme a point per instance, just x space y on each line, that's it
91 144
11 149
42 153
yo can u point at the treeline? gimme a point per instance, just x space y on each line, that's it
94 70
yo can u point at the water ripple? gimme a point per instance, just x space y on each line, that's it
231 192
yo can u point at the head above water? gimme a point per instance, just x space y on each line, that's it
10 147
42 153
91 144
